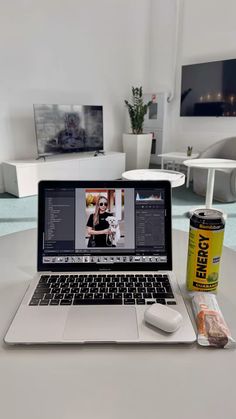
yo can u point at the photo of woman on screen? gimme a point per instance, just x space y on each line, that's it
104 218
98 227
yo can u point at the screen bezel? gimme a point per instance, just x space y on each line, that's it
35 110
79 267
194 65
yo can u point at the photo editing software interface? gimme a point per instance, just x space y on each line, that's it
104 226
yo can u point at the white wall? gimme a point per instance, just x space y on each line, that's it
207 32
68 51
92 52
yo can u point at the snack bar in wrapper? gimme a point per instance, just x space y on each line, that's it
211 326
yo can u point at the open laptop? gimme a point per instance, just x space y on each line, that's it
104 255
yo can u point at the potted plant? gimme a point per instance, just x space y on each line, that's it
189 150
137 145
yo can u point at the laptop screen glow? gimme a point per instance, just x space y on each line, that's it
106 225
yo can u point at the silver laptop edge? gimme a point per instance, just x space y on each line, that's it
80 324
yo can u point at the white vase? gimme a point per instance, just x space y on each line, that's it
137 148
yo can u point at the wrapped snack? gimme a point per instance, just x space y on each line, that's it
211 326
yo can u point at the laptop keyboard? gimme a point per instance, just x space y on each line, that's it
102 289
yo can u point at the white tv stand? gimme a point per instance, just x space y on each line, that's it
21 177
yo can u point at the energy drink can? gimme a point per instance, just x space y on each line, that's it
206 234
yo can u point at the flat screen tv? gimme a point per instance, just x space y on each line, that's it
68 128
209 89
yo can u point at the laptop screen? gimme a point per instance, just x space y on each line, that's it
110 225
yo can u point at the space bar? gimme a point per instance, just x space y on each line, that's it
97 301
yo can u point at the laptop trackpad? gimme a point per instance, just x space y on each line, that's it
101 323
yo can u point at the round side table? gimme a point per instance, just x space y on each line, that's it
212 165
175 178
177 157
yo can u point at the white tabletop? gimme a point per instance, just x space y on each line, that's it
178 155
108 381
175 178
211 163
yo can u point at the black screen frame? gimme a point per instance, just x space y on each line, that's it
216 109
69 151
83 267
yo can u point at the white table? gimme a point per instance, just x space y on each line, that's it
211 165
109 381
175 178
178 157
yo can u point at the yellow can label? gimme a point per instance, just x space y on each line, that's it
204 254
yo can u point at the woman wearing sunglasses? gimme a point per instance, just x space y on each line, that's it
97 226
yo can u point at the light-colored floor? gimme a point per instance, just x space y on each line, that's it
17 214
184 199
21 214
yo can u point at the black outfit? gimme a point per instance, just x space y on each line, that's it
100 239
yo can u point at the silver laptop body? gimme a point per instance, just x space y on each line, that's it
104 255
